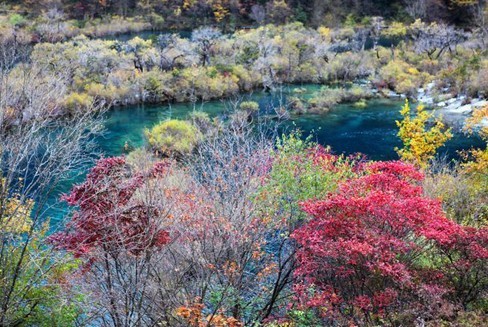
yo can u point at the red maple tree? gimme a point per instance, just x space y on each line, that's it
378 246
109 214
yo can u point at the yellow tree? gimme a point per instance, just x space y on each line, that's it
31 275
220 9
476 169
478 122
14 213
420 142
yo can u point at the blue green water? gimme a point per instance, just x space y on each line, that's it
347 129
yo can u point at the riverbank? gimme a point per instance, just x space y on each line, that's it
210 65
454 109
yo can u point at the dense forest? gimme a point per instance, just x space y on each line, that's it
188 13
226 216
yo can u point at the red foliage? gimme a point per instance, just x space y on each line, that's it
325 159
110 215
378 245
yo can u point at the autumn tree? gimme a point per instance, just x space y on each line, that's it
477 123
205 38
140 49
378 248
227 243
117 232
278 11
169 53
420 142
435 38
39 147
225 261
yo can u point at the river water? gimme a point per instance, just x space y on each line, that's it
347 129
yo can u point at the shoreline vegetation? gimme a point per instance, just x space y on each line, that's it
427 63
222 222
431 62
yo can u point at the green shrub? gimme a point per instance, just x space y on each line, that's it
249 106
403 77
395 30
173 137
305 73
247 79
361 104
325 99
17 20
298 174
355 94
156 20
153 85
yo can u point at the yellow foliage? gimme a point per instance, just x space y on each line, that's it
187 4
173 137
420 143
396 29
194 317
479 119
220 10
412 71
478 165
77 101
137 42
325 32
402 76
14 213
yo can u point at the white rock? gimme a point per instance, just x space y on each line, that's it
452 100
479 104
454 106
445 96
464 109
426 100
